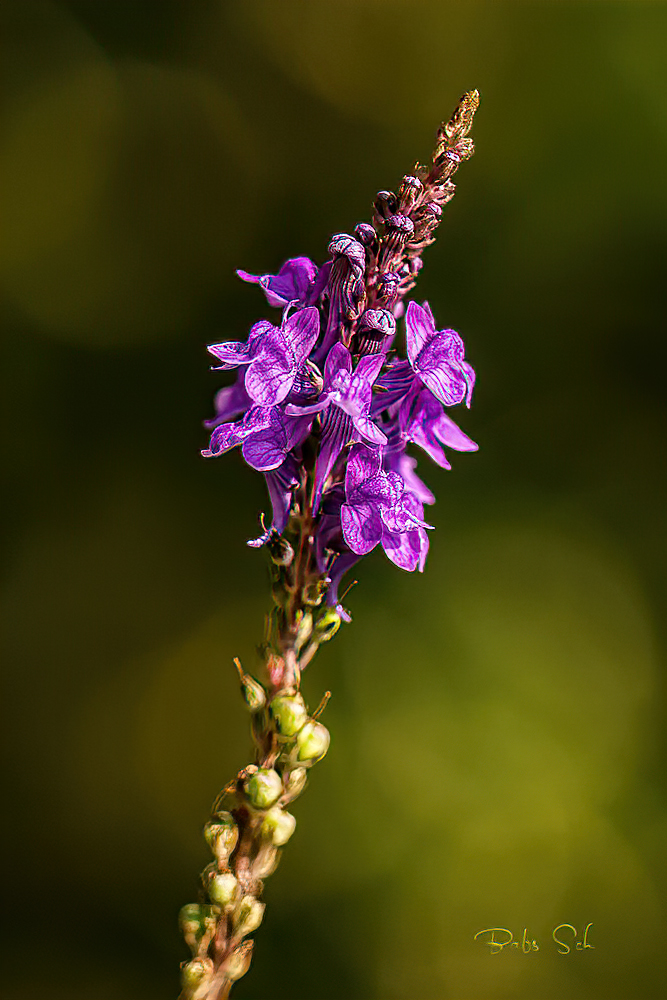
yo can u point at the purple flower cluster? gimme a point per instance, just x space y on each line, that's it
359 410
329 399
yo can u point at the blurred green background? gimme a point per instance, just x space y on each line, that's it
498 755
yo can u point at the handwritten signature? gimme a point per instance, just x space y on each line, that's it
565 936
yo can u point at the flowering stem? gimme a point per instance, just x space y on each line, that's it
327 409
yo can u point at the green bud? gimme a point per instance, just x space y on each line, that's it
221 834
192 917
278 826
264 788
238 962
196 973
327 626
314 592
289 714
312 743
223 888
296 782
253 692
248 916
280 550
304 625
266 861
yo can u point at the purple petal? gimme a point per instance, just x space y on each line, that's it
296 411
301 331
336 434
419 329
271 375
370 367
228 403
452 436
469 375
365 426
381 490
447 384
232 353
406 550
266 449
362 527
363 463
337 358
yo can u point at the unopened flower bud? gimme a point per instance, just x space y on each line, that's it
327 625
223 888
195 973
253 692
221 834
296 782
248 916
280 550
289 714
238 962
365 233
266 861
278 826
191 919
305 628
312 742
264 788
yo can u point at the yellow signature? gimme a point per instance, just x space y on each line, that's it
565 936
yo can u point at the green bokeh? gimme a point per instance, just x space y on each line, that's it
497 754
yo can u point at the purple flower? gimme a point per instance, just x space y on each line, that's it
298 280
275 356
351 391
378 509
423 421
437 357
265 434
347 396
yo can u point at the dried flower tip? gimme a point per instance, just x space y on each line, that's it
289 714
264 788
248 916
278 826
312 743
295 783
221 834
238 962
461 121
195 973
253 692
223 888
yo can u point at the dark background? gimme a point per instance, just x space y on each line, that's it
498 750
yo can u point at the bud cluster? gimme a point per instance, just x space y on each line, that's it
246 840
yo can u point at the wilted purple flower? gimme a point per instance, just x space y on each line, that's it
275 356
378 509
437 356
298 280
